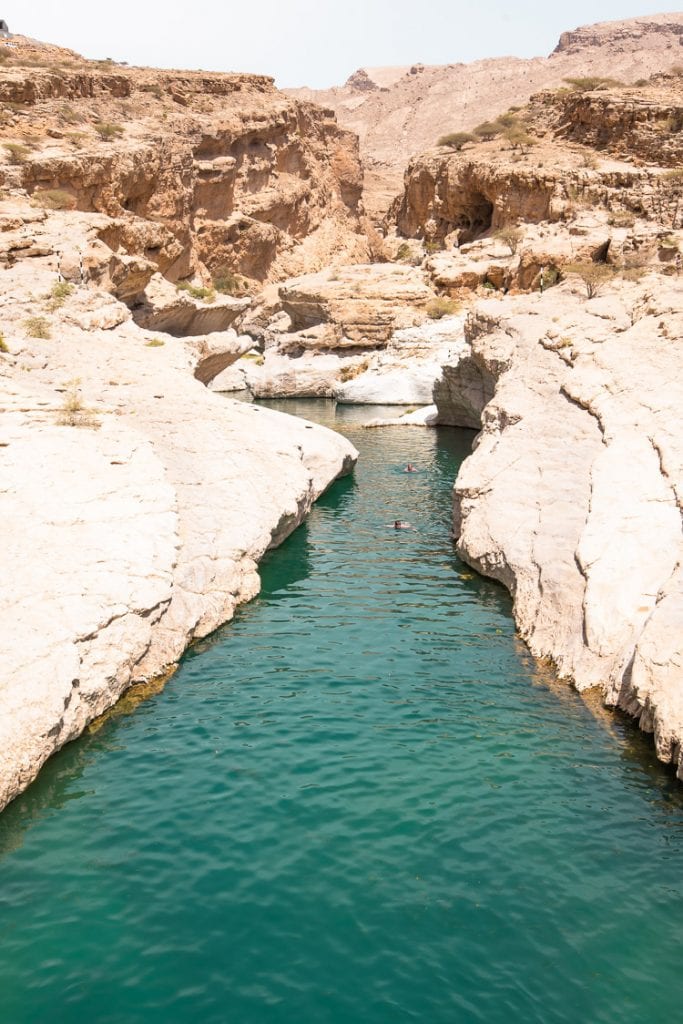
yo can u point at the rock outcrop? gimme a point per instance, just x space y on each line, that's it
200 174
135 503
572 497
359 334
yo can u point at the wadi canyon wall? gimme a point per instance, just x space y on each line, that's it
400 112
135 503
163 234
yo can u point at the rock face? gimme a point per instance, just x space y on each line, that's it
135 503
410 107
199 174
572 496
464 195
358 334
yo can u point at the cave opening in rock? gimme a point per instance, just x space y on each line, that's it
475 219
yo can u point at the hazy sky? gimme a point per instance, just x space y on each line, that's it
307 42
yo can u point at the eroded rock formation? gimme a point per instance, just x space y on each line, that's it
572 496
215 175
410 107
135 504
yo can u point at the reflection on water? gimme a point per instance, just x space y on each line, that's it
362 800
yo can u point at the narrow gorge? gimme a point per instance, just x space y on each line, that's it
468 653
172 237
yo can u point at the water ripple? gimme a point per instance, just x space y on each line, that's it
360 801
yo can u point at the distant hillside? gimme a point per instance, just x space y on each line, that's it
400 111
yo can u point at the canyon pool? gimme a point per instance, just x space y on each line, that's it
361 802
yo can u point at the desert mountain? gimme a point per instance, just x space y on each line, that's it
400 111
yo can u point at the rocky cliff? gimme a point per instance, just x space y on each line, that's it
399 112
572 497
135 503
209 175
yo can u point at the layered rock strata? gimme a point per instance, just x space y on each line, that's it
199 174
400 112
359 334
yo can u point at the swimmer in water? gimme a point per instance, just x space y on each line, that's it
399 524
410 468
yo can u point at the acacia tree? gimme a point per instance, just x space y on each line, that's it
594 276
456 140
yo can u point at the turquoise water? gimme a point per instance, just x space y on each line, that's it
359 803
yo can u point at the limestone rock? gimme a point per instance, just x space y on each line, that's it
572 496
135 504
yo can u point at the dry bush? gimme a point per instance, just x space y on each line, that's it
621 219
594 276
72 412
67 115
17 153
510 236
107 130
350 372
37 327
54 199
75 138
440 307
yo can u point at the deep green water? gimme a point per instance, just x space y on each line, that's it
359 803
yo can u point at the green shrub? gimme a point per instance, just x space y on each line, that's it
154 343
433 246
456 140
440 307
550 275
106 130
16 152
404 253
592 83
518 137
640 83
204 294
37 327
58 295
54 199
228 283
487 130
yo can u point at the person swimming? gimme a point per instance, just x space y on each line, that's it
410 468
400 524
